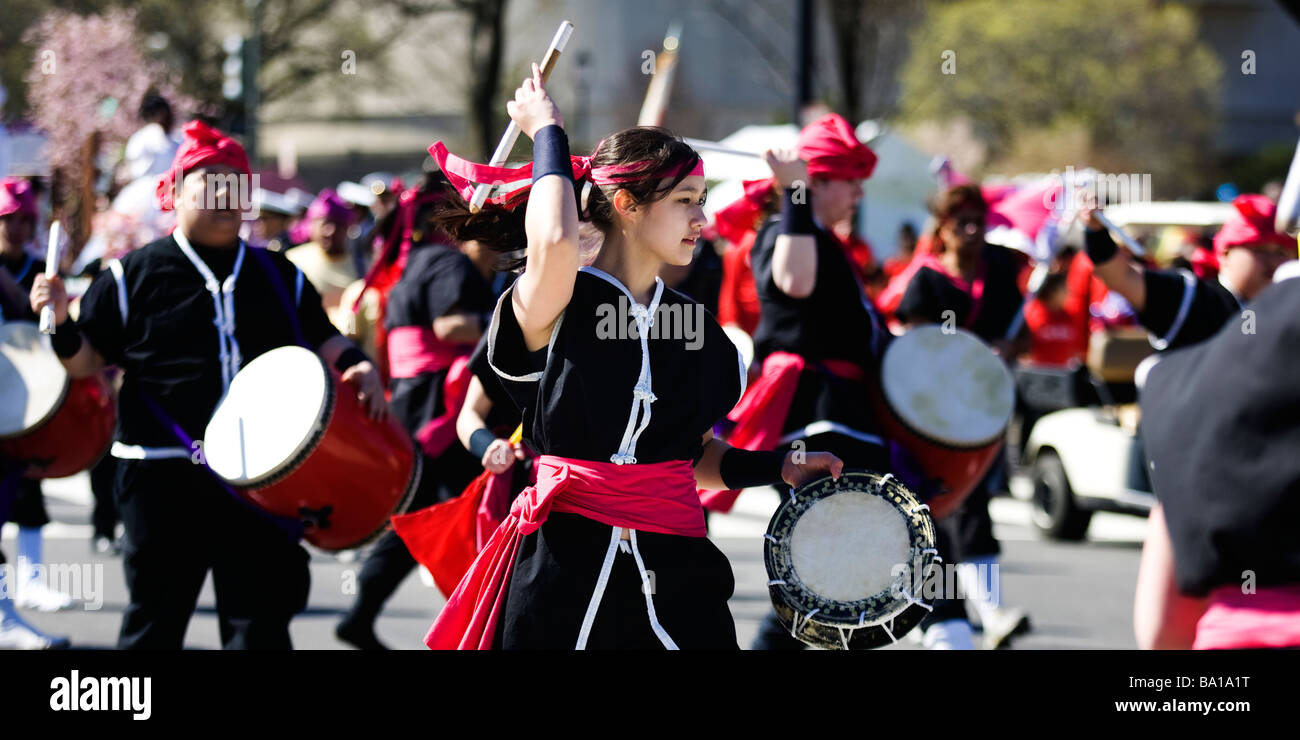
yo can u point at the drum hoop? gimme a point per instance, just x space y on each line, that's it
54 407
308 446
921 550
946 443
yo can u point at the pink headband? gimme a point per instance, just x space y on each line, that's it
464 174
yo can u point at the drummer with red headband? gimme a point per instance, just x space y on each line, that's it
181 316
609 549
1178 308
964 281
818 337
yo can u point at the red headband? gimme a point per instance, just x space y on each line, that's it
203 146
1249 225
832 150
464 175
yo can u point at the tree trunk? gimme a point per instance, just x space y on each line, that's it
487 44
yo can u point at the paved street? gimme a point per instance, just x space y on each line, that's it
1079 596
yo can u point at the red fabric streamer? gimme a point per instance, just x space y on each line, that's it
657 497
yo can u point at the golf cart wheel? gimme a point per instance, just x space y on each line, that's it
1055 513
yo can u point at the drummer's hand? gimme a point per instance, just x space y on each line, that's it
370 389
787 167
1088 211
500 456
532 108
50 292
814 466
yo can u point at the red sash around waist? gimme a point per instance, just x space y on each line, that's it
1267 618
413 350
760 414
658 497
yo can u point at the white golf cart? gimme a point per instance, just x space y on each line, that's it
1089 458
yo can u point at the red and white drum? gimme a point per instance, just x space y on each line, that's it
946 398
57 425
301 446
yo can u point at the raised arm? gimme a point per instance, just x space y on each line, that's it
1112 266
541 294
794 257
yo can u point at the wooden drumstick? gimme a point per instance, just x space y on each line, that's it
51 269
700 145
512 131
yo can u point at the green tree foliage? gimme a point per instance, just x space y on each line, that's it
1122 85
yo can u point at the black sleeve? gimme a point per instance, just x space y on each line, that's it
455 283
519 370
100 318
478 364
1182 310
920 302
760 259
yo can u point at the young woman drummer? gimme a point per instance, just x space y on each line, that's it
620 411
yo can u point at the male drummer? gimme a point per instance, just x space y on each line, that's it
814 316
181 316
1177 308
17 226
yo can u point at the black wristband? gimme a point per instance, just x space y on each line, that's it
744 468
351 356
480 441
551 153
66 339
1099 246
797 217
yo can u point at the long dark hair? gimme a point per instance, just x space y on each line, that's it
653 150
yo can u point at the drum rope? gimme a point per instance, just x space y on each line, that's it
795 626
913 601
659 631
888 628
603 580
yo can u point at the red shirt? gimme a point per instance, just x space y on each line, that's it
1057 335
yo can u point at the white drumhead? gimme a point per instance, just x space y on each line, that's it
845 546
272 411
32 379
949 387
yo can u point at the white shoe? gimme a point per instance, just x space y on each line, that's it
34 594
950 634
16 634
1001 624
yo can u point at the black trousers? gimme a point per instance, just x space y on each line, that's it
389 562
29 505
103 477
180 524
